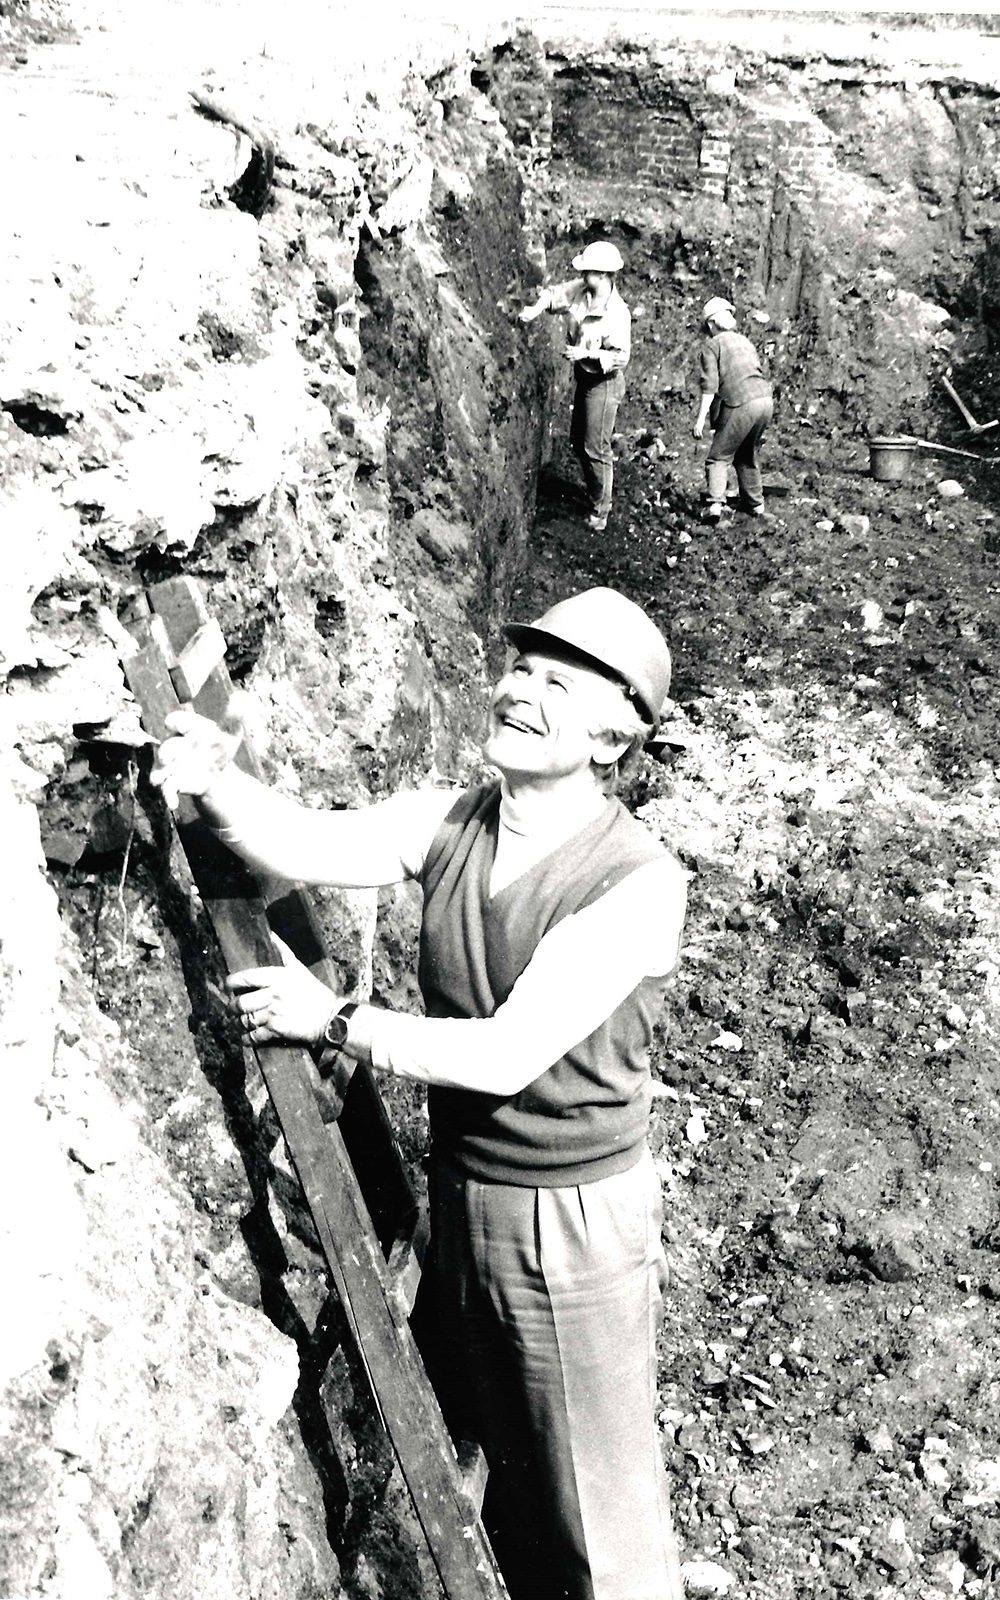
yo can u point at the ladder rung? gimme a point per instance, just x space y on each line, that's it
191 664
473 1473
196 660
405 1263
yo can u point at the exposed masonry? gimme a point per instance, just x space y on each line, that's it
720 144
730 135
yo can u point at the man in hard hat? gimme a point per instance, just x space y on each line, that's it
599 333
550 919
736 399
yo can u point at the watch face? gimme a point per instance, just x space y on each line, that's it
335 1031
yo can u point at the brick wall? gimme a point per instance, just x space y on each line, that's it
685 133
610 127
715 145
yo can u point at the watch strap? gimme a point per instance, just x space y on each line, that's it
335 1031
328 1050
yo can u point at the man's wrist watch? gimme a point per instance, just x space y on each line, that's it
334 1035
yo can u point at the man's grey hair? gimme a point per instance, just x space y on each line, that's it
626 725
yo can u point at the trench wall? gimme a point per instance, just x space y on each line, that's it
186 387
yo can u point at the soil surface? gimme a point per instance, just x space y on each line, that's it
826 1121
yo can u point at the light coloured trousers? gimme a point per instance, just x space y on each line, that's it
538 1322
595 407
736 439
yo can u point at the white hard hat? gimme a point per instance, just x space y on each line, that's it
720 311
609 633
601 256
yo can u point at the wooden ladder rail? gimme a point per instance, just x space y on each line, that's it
178 647
202 680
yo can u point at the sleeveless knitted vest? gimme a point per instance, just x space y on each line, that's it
586 1116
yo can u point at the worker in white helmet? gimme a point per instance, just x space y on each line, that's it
550 919
736 402
599 343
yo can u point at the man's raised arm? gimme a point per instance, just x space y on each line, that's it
377 844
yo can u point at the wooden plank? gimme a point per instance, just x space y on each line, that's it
178 605
402 1391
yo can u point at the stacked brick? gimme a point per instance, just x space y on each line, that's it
625 127
693 132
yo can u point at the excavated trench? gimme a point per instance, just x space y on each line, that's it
381 476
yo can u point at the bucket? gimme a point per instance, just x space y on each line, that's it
890 457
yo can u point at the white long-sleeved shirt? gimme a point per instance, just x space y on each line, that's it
602 328
582 969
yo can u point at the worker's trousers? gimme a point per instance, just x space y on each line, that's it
538 1318
595 407
737 436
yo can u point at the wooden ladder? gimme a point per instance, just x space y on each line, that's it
363 1207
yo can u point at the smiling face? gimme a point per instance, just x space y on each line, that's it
549 720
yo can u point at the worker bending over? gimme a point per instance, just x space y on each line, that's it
736 400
